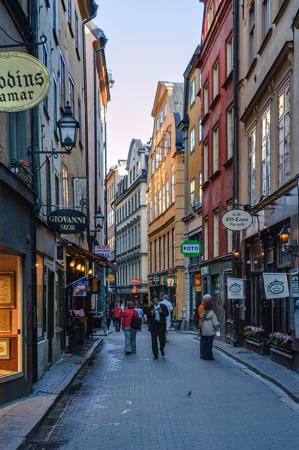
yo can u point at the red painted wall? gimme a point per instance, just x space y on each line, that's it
217 193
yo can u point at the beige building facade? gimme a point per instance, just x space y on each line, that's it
165 186
192 129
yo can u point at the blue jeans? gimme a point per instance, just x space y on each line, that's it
206 347
130 340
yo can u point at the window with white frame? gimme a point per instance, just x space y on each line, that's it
172 189
215 80
252 43
65 186
284 135
167 194
72 94
210 14
62 82
199 80
252 165
205 99
161 116
163 198
206 238
266 151
159 202
192 191
153 164
192 92
199 131
192 140
205 162
200 188
215 149
229 55
229 132
216 234
155 206
165 110
266 16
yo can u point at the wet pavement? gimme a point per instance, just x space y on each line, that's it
120 402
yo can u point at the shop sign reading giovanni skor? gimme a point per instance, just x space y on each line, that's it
237 219
24 81
67 221
276 285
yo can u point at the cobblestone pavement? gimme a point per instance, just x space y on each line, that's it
135 403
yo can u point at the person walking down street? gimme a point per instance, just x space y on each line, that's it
165 301
157 318
208 329
140 313
117 313
129 318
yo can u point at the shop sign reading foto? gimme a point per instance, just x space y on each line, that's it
191 248
237 219
67 221
24 82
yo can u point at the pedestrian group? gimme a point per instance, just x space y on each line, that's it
158 317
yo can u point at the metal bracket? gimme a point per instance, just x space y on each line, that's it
43 40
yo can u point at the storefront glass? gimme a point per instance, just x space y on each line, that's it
10 315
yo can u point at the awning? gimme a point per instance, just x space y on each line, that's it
75 249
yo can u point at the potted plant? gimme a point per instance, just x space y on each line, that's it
281 348
21 168
255 339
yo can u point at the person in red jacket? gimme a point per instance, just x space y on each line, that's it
117 313
129 332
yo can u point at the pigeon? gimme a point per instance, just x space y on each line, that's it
189 394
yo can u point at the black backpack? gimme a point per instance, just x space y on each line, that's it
135 323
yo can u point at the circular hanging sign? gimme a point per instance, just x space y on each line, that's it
237 219
67 221
24 82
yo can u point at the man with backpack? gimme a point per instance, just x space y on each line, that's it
157 318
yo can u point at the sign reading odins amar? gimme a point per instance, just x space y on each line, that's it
24 82
67 221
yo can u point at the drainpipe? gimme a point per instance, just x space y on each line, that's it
85 22
105 179
235 149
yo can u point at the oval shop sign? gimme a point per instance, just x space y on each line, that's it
237 219
24 82
67 221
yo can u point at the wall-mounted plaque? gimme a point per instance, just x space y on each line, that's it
4 348
5 321
7 290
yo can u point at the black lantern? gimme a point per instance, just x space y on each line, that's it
68 128
99 219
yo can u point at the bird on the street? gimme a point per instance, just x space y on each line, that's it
189 394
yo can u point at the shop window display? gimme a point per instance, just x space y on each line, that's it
10 309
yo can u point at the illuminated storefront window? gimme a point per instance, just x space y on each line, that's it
10 313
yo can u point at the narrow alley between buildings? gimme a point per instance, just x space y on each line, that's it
132 402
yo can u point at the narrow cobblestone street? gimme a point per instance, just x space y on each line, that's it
135 403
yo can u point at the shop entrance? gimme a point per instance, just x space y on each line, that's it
10 315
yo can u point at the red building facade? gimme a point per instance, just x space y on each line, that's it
216 66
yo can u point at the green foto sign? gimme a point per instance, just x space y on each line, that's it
190 249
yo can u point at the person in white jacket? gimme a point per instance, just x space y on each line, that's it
165 301
208 329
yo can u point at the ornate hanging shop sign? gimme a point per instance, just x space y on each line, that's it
237 219
24 82
67 221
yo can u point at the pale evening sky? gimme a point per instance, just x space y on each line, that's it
148 41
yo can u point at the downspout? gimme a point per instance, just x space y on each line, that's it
88 19
105 179
235 150
37 189
95 112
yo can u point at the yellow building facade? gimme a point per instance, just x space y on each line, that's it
166 198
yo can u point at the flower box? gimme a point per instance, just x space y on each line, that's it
282 356
23 173
257 345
